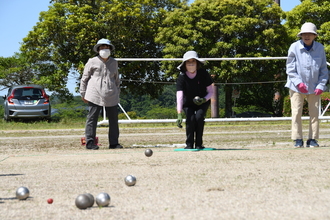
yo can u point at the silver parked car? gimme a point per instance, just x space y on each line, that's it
26 101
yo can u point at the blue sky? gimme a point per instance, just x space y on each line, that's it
17 18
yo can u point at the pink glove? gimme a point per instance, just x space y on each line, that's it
318 91
302 88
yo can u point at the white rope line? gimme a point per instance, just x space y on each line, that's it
174 82
209 59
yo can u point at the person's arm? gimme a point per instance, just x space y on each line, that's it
179 106
117 78
324 73
84 81
210 92
179 101
291 69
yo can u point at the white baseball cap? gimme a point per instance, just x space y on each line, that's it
308 27
190 55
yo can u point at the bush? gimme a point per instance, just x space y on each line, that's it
158 112
132 115
69 112
325 99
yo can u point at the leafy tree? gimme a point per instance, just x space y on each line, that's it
141 105
168 97
15 70
315 11
230 28
63 39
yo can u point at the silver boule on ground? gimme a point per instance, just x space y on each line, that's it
22 193
148 152
103 199
82 201
91 199
130 180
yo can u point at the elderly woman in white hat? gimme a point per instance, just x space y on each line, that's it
307 72
100 86
194 90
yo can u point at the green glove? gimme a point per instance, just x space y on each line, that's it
199 101
179 120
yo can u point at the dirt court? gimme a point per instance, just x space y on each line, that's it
253 173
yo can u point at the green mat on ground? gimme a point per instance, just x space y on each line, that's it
205 149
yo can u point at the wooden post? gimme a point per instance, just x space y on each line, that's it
214 100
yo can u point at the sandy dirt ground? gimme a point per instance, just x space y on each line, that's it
253 173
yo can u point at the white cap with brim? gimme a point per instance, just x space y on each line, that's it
308 27
190 55
101 42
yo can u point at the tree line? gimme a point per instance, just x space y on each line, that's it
62 41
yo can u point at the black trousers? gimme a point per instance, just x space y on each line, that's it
91 123
195 120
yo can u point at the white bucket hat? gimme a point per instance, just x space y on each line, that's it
308 27
101 42
190 55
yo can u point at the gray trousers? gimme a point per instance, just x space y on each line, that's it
91 123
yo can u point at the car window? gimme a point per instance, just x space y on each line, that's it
27 93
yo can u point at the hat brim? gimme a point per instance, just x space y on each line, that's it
306 32
198 59
97 46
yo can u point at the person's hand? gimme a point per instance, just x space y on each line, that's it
198 101
302 88
318 91
179 120
84 100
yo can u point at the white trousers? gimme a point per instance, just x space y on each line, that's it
297 102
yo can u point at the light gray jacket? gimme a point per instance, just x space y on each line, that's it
309 67
100 83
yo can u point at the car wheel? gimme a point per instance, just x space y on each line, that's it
6 117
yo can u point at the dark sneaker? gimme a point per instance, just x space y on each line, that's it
312 143
115 146
299 143
92 147
189 147
200 147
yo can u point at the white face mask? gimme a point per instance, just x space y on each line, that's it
105 53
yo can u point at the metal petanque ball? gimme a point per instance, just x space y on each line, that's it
22 193
148 152
103 199
91 199
82 201
196 98
130 180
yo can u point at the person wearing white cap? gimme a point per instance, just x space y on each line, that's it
100 86
307 72
194 90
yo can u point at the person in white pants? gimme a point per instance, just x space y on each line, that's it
307 72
